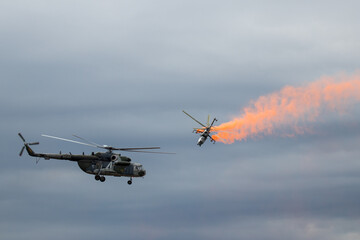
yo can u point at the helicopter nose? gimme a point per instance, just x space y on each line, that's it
142 173
201 141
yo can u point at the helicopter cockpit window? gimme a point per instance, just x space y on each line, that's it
139 167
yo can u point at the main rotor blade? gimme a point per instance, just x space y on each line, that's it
34 143
88 141
21 136
194 119
148 152
99 146
114 148
215 120
68 140
133 149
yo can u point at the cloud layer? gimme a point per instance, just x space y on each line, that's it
120 73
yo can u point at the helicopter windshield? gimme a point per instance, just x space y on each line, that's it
139 167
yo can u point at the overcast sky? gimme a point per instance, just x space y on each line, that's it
121 72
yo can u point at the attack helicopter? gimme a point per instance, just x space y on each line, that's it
204 131
100 164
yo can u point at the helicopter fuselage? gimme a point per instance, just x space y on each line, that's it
99 164
203 137
205 131
112 169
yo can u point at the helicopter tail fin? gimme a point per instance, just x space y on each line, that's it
27 146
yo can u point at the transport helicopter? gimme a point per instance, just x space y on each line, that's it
204 131
100 164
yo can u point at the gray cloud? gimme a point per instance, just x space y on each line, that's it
119 73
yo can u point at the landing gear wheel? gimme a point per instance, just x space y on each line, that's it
102 179
97 177
129 182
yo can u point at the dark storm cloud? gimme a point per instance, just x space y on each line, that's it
119 73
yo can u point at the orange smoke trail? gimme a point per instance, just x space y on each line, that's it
290 107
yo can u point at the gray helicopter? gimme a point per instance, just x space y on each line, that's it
100 164
204 131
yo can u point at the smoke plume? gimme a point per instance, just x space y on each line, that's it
291 108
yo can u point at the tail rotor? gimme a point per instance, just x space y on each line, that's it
25 144
21 136
22 150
